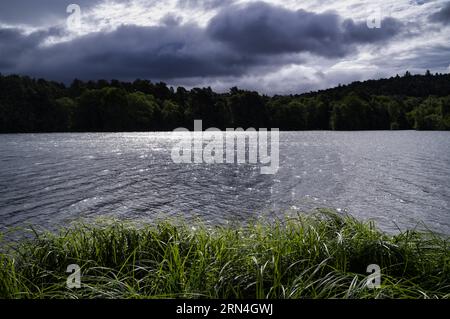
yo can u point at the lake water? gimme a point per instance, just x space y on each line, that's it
398 179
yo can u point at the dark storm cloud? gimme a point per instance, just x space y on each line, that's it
14 44
443 15
360 33
260 28
171 20
131 51
40 12
239 39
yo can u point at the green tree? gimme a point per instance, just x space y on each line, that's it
290 116
428 115
88 116
248 109
172 115
351 113
143 112
66 108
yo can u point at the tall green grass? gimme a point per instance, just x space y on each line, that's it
324 255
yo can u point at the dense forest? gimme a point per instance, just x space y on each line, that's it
420 102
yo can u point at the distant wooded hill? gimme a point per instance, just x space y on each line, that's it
419 102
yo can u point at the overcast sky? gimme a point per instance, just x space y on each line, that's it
275 47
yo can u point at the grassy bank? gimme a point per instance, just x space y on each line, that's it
315 256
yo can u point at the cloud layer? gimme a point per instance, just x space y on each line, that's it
443 15
260 28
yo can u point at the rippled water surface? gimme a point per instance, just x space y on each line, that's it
396 178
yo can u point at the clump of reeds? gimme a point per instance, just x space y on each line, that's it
323 255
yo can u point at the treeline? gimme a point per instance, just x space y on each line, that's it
419 102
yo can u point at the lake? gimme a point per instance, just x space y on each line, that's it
399 179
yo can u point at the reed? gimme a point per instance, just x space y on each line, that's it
320 255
